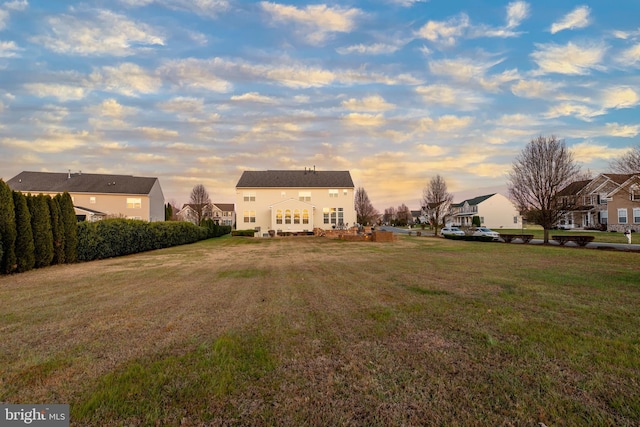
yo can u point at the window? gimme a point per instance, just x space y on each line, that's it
304 196
636 215
249 196
296 216
622 216
515 219
305 216
333 216
134 202
345 192
283 194
92 200
333 193
604 216
287 216
279 216
249 216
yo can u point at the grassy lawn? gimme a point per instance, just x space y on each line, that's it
312 331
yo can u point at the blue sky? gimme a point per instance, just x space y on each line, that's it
396 91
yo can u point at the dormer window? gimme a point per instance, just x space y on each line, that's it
634 192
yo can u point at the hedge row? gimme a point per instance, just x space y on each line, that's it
116 237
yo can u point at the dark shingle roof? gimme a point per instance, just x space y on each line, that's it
52 182
573 188
295 179
474 201
226 207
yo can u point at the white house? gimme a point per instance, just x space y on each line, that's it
494 211
294 201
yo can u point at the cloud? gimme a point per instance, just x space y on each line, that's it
314 23
577 18
444 32
372 49
157 133
254 97
55 141
450 96
517 12
362 119
9 49
183 105
111 108
630 57
471 70
586 152
622 131
4 17
620 97
127 79
63 92
446 123
101 32
569 59
578 111
370 103
17 5
535 89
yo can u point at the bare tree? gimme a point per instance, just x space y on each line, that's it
365 211
627 163
543 168
389 215
403 215
436 201
199 201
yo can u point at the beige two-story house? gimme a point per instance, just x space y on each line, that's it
494 211
98 196
219 213
294 201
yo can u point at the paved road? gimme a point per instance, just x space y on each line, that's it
593 245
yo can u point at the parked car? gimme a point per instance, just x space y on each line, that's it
451 231
484 231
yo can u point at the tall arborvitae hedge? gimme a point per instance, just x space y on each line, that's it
57 230
7 229
24 248
41 226
70 227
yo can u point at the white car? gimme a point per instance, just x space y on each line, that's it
451 231
484 231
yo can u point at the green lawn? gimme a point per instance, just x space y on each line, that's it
313 331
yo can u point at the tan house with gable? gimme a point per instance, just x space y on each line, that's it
98 196
291 201
220 213
608 202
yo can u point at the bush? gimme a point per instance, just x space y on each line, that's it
41 226
471 238
243 233
117 237
7 229
24 248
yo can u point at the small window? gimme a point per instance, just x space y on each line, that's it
304 196
287 216
92 200
296 216
515 219
345 192
622 216
134 203
305 216
249 196
279 216
283 194
636 215
249 216
333 193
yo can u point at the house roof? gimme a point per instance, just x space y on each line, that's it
53 182
574 188
226 207
618 178
474 201
295 179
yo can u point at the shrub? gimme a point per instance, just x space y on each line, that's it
116 237
57 230
244 233
475 221
70 227
41 227
7 229
24 247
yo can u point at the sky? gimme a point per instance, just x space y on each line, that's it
395 91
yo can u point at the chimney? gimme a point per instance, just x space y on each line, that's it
69 174
314 169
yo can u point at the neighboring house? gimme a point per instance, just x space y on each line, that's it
98 196
220 213
494 210
608 202
415 217
294 201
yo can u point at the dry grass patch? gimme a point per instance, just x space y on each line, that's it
312 331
